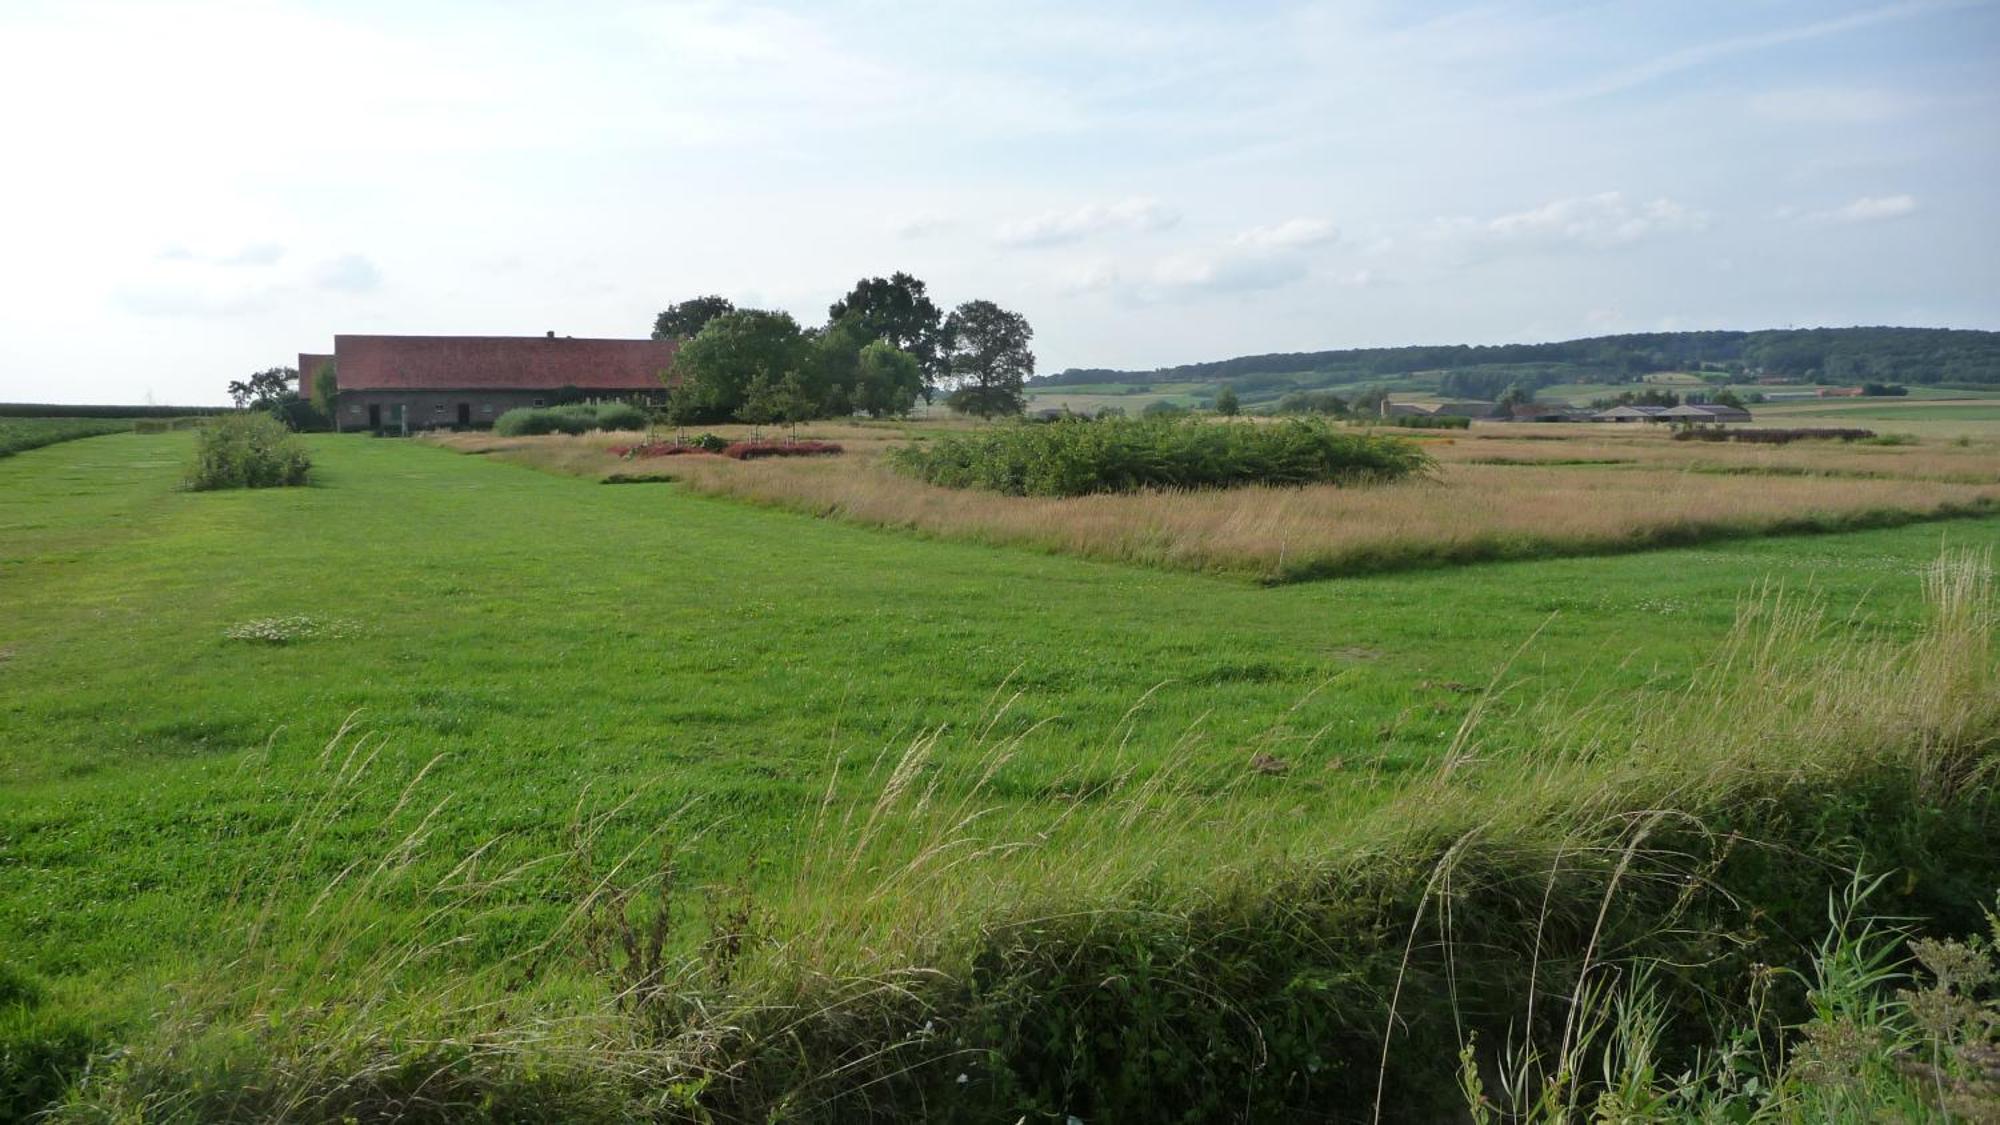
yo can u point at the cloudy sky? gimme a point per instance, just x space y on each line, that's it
198 190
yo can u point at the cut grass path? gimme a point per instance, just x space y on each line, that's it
548 636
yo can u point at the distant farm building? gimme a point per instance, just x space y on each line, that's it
1630 414
1465 410
463 382
1704 412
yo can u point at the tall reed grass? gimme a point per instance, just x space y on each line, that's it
1166 935
1469 509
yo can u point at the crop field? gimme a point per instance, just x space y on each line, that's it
18 434
463 784
1499 491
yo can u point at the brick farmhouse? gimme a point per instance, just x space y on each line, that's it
465 382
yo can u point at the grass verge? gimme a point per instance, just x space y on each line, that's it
940 954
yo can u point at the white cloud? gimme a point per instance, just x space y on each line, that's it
1290 234
920 226
1599 222
1139 214
1870 208
1260 258
349 273
255 254
1830 105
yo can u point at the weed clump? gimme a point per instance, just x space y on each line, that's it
247 451
574 418
1075 458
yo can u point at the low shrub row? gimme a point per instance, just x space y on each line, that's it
165 425
1423 422
247 451
1772 437
575 418
1122 455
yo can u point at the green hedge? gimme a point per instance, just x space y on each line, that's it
575 418
1074 458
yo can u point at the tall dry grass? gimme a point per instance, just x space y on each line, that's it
1667 494
1171 941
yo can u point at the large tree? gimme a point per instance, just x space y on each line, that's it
896 309
685 320
987 359
715 369
888 381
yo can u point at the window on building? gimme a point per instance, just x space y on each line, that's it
486 408
354 411
538 402
437 411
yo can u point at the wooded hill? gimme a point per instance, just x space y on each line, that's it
1928 356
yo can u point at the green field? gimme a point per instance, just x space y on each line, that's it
546 644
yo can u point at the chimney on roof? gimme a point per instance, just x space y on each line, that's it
552 334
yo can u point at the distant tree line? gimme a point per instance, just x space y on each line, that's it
1841 355
884 346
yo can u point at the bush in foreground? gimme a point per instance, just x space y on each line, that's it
1074 458
247 451
575 418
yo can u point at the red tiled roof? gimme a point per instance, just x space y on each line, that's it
415 363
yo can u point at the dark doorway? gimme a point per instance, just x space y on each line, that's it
374 415
464 415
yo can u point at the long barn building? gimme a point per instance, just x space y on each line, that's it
465 382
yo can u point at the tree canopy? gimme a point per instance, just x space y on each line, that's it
884 346
266 387
987 358
682 321
896 309
717 367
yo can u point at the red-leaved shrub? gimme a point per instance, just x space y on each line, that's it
749 450
654 449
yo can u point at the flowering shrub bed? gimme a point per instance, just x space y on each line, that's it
750 450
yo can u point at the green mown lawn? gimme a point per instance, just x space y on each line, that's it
556 639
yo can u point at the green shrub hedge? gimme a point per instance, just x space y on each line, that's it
575 418
247 451
1074 458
